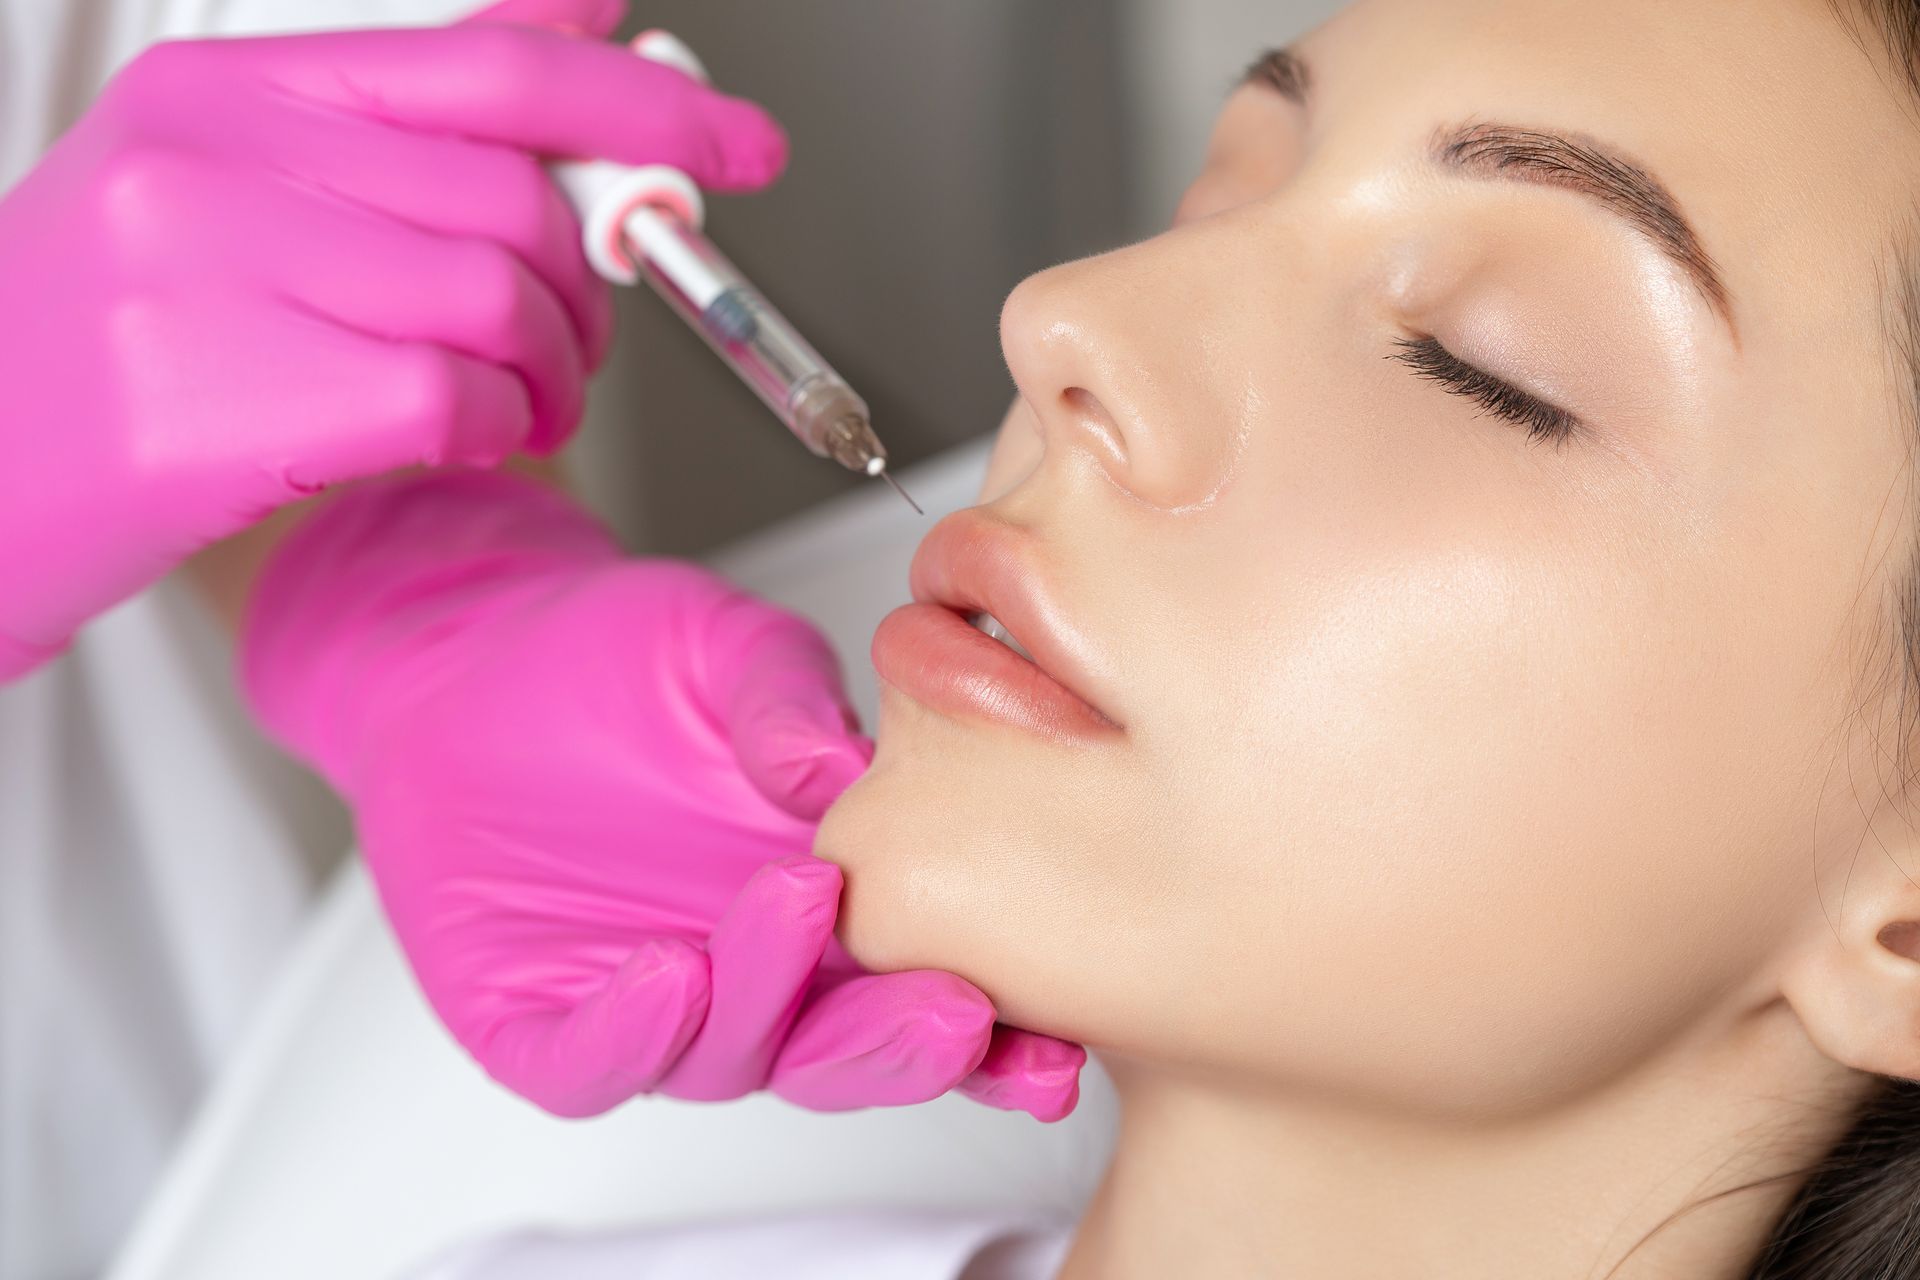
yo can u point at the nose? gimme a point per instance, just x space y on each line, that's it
1123 362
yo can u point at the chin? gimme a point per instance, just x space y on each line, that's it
918 893
961 853
857 836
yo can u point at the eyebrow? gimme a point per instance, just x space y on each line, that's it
1283 71
1549 158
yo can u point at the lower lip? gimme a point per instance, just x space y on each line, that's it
945 663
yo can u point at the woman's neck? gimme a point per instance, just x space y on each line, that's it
1211 1181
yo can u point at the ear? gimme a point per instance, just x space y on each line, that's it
1854 982
596 18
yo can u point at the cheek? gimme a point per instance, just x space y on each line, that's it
1428 830
1465 816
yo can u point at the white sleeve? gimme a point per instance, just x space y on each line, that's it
875 1244
56 55
260 17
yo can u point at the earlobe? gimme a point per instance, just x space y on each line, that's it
1855 985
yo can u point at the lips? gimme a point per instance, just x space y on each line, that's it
932 651
998 630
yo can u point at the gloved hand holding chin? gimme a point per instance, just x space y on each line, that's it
586 785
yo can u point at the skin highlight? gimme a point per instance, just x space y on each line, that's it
1499 853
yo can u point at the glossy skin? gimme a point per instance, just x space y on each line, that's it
1462 778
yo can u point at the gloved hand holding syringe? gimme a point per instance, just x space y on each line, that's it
645 223
260 268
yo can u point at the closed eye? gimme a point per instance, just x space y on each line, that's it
1433 362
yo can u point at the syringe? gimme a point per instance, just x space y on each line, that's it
757 342
645 223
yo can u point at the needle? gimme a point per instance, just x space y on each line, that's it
888 477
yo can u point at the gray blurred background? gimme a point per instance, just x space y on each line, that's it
941 152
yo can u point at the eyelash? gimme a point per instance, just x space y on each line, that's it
1429 360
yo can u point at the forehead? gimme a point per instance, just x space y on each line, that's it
1791 149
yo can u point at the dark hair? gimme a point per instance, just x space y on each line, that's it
1856 1215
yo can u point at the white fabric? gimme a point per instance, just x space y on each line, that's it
149 875
154 856
840 1246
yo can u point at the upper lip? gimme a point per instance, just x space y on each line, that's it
973 563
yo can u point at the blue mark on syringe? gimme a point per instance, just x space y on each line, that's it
730 317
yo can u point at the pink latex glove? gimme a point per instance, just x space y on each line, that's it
585 786
258 267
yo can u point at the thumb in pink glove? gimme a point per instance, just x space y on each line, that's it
585 786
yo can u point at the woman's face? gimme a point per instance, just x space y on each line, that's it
1449 750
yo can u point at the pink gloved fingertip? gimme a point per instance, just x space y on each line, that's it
794 900
892 1039
569 17
1026 1072
763 954
610 15
804 871
614 1044
803 771
755 145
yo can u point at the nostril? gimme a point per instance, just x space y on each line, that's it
1085 410
1902 938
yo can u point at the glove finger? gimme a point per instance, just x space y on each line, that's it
884 1040
792 760
762 954
616 1043
459 190
582 17
539 91
1025 1071
469 296
390 405
777 687
365 398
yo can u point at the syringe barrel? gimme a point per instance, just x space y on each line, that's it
710 294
